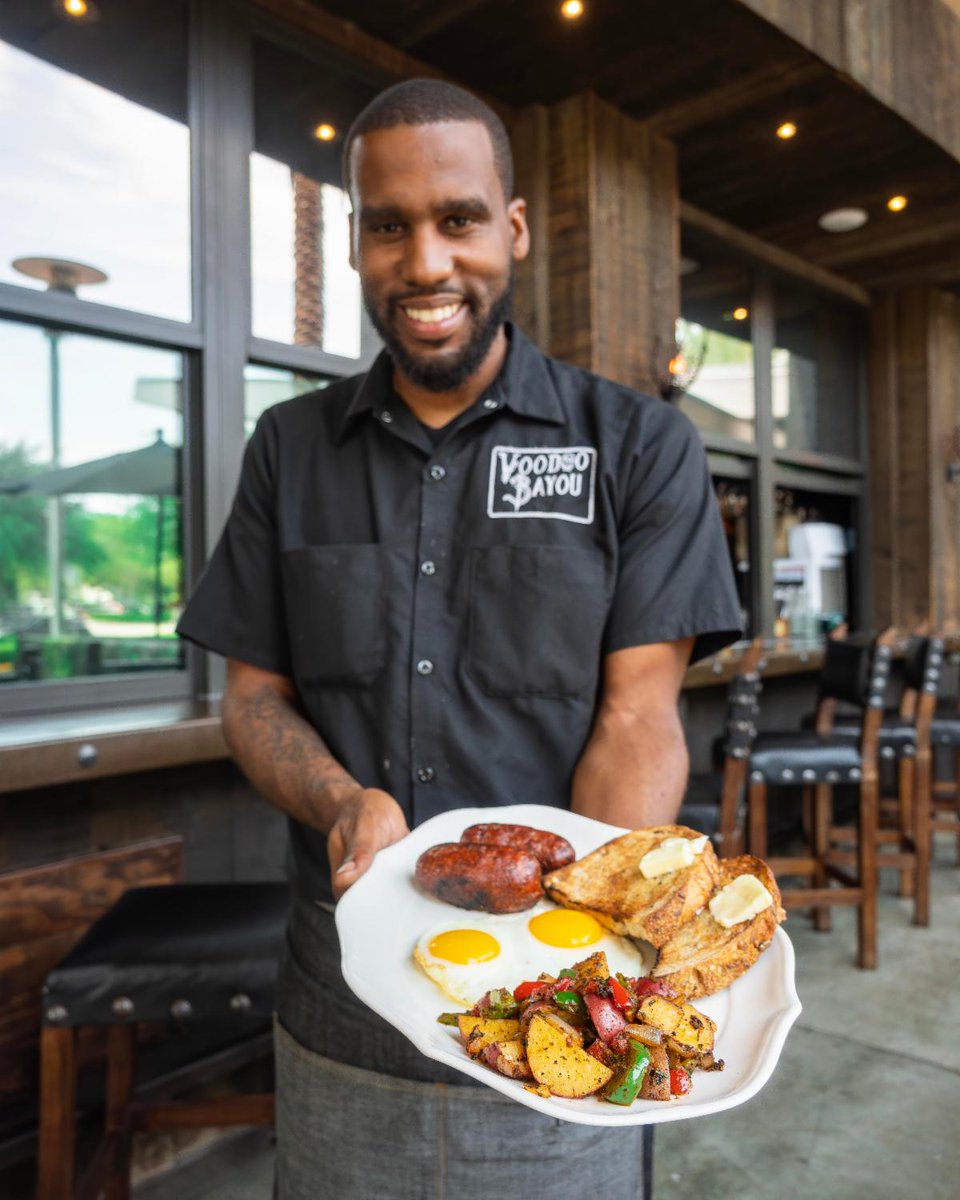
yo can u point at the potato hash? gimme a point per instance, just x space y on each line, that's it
588 1032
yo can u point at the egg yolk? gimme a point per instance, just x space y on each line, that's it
464 946
565 928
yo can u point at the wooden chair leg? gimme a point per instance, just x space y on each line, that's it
906 775
867 862
822 813
58 1102
121 1048
956 798
757 818
922 836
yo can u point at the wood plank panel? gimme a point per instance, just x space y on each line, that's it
530 136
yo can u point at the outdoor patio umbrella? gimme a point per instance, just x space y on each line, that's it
153 470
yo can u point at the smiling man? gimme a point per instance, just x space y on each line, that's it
473 576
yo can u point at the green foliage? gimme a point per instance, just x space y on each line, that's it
23 555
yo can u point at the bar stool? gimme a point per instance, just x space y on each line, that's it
945 794
855 671
715 802
185 952
904 829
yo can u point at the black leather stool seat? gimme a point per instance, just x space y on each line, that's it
182 950
945 730
897 737
701 804
804 757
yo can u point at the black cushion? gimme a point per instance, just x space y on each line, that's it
896 736
804 757
945 730
183 950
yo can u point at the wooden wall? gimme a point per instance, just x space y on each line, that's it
914 437
904 52
600 289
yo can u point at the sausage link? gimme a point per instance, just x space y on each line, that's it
551 849
495 879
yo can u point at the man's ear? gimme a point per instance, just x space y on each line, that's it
519 231
353 246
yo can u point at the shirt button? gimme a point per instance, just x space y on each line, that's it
437 472
491 404
386 417
424 667
428 568
426 774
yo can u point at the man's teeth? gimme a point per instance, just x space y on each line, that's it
430 316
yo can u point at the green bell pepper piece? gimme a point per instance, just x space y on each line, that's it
625 1087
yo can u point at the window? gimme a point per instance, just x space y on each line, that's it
91 561
265 386
95 190
304 291
814 584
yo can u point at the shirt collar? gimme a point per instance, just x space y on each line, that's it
524 385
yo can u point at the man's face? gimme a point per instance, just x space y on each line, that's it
434 241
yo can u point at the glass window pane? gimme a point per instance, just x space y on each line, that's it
304 291
91 562
715 365
733 496
265 386
816 373
96 153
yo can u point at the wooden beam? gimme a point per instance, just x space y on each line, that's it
440 18
773 256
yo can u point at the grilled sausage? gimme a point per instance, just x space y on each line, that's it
552 850
495 879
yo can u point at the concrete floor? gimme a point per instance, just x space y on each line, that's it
865 1104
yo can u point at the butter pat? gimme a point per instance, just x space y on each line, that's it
673 854
740 900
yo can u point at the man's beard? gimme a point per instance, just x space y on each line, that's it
447 373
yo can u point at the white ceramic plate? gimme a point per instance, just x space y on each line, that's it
381 917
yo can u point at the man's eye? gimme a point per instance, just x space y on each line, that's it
388 227
460 222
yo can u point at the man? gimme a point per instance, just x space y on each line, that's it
473 576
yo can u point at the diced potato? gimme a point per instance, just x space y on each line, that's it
558 1062
479 1032
594 967
656 1082
688 1032
511 1060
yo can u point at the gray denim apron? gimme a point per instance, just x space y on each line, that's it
363 1115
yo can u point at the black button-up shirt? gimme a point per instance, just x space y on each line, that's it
445 609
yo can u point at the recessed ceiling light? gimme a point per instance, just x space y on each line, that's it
325 133
572 9
897 203
688 265
76 10
843 220
787 130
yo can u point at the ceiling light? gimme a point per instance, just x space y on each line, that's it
76 10
897 203
572 9
786 131
325 133
741 313
843 220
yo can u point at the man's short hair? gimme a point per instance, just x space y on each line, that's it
428 102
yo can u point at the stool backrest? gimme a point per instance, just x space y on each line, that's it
846 674
740 729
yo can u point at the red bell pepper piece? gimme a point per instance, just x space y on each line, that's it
679 1081
523 990
621 997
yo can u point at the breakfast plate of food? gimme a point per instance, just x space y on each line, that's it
598 975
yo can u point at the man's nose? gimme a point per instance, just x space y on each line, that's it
428 261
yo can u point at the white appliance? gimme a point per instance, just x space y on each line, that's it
816 567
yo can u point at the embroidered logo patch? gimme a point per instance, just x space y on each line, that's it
542 481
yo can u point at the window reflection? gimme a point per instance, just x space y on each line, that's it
96 152
733 497
91 562
265 386
814 577
715 340
304 290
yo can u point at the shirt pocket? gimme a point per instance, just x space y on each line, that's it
336 600
537 615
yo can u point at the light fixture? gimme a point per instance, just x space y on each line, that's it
325 133
572 9
76 10
843 220
741 313
897 203
678 374
786 131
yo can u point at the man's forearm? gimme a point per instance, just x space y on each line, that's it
633 771
284 757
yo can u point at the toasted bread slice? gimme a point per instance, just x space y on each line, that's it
608 885
703 957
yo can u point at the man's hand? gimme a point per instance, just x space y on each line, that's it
367 822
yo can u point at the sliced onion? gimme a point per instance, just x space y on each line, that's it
649 1035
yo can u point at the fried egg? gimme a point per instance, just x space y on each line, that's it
481 951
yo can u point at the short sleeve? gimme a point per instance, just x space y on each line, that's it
674 576
237 608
